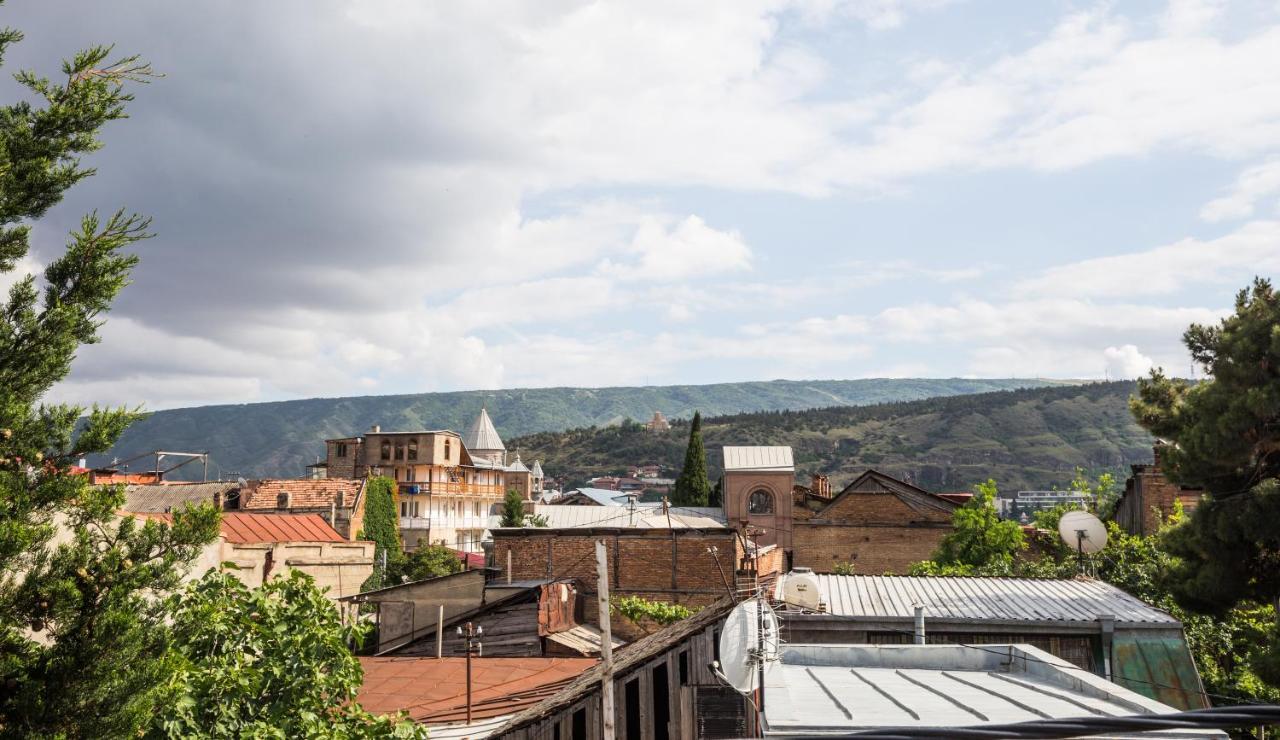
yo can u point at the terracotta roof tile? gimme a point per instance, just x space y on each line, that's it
434 690
255 529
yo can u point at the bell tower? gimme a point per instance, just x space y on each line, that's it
757 492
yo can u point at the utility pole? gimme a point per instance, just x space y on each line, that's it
606 640
472 635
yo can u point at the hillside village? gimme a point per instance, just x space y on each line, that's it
877 369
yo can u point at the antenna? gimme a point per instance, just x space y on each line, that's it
745 648
1083 532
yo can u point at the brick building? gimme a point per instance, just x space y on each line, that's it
877 524
339 501
689 566
1149 497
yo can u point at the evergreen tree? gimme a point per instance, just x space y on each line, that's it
1224 436
101 656
382 525
512 509
269 662
692 487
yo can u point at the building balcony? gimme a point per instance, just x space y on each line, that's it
415 522
449 489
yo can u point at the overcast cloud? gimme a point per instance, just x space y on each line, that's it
369 196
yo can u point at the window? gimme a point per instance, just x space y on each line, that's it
447 445
399 450
386 449
404 508
413 449
477 508
408 474
580 724
631 692
340 449
684 667
661 704
761 502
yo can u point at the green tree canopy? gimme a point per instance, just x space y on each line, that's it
270 662
428 561
692 487
979 539
512 509
101 657
382 525
1223 435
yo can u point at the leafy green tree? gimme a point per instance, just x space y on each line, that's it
692 487
428 561
512 509
269 662
1224 435
979 538
382 525
100 657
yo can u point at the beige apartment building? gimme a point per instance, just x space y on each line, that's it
449 484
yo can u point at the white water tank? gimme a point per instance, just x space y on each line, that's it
800 589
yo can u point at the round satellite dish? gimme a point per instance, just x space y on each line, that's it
1082 531
740 643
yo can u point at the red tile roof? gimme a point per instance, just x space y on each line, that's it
256 529
434 690
472 559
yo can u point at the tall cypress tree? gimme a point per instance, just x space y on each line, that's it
83 638
1224 436
692 487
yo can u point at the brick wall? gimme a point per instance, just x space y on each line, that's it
1149 499
873 530
341 497
648 563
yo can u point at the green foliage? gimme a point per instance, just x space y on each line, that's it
382 526
842 569
298 428
636 608
512 509
535 520
101 659
270 662
1022 438
978 538
1104 492
1224 436
692 487
428 561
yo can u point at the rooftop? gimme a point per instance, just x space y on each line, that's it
481 436
162 497
433 690
984 599
843 688
644 516
760 459
257 529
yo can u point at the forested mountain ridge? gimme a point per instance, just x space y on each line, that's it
1024 439
281 438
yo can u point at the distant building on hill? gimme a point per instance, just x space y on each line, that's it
1021 506
658 423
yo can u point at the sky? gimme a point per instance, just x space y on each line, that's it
357 197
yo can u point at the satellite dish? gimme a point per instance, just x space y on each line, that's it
741 648
1082 531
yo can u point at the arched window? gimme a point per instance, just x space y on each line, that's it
761 502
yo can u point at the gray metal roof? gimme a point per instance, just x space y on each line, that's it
481 435
537 469
984 599
764 459
171 496
843 688
644 517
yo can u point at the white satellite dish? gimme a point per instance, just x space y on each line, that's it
741 648
1082 532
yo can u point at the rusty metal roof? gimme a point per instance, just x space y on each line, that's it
168 496
239 528
433 690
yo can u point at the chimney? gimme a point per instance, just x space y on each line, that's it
375 429
821 486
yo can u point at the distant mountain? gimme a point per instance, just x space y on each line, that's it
280 439
1024 439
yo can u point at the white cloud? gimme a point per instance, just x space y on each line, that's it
1126 362
682 250
1254 184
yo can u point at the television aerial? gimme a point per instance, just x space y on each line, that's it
748 641
1083 532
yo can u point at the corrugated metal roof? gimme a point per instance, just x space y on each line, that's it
433 690
644 517
481 436
170 496
773 459
987 599
240 528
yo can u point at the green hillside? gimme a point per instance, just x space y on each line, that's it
280 439
1025 439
